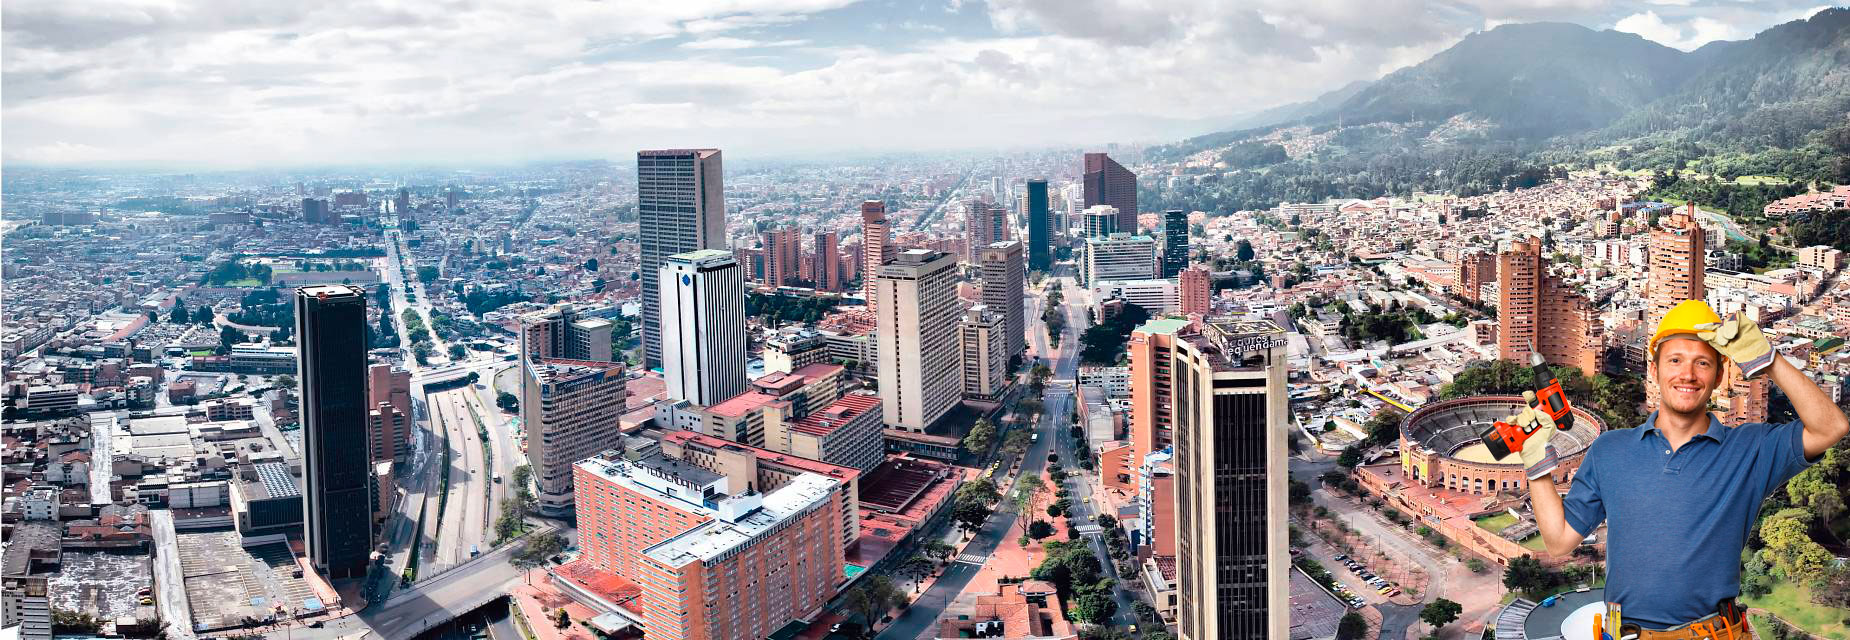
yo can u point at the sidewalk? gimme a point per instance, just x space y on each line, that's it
538 600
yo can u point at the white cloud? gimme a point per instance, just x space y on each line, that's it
222 82
727 43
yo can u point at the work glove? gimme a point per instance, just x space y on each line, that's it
1538 453
1741 341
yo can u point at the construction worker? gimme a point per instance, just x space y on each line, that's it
1680 493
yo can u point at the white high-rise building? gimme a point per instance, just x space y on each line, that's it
703 321
918 314
1120 256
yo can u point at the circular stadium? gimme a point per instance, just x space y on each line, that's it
1564 616
1441 446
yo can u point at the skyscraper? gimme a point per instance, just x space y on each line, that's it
1005 291
1118 257
1471 271
1231 421
1537 308
1040 227
570 410
828 261
703 313
681 204
316 211
449 199
1677 251
331 366
401 205
1107 182
783 255
1175 242
984 224
917 331
876 247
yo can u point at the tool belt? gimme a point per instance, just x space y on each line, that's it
1729 622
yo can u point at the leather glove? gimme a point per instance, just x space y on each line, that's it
1741 341
1538 453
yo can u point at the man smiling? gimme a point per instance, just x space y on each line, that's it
1679 493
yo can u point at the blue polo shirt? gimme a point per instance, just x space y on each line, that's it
1677 520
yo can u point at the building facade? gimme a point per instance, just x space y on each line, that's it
561 332
917 325
1109 183
1231 427
985 354
716 558
783 255
1120 256
703 313
1536 308
1100 221
681 206
1005 279
337 450
1175 242
570 410
876 247
1195 289
827 259
1040 227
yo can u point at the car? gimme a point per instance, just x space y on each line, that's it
1133 628
1341 557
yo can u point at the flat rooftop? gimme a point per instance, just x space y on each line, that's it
708 541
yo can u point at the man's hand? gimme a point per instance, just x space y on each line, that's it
1741 341
1538 454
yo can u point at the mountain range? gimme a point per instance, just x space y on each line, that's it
1551 88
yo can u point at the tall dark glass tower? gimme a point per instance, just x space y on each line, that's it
330 322
1109 183
1040 227
1175 242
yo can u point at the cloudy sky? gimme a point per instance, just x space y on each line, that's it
231 83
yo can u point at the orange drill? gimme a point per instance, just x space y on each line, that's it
1504 438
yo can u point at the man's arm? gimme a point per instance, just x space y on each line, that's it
1558 537
1824 422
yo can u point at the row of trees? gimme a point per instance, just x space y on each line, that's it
1104 342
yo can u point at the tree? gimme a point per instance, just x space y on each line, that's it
285 381
982 435
1439 613
1350 457
228 336
203 315
1244 252
1028 489
937 549
873 597
973 504
179 315
1017 442
591 265
427 274
1527 575
154 317
457 351
534 555
1096 608
507 401
1790 549
916 568
1040 529
1815 488
1352 627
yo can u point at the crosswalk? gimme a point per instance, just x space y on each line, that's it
971 558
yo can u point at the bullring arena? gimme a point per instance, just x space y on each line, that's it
1445 478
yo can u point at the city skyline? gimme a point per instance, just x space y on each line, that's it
197 87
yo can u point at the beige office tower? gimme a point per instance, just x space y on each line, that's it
560 332
1231 417
876 247
681 207
1005 276
570 409
985 354
917 309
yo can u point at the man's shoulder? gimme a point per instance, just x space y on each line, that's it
1614 439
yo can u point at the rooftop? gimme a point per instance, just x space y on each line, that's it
741 404
705 542
838 413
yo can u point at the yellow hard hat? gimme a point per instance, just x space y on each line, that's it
1683 319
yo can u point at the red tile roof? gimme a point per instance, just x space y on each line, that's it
838 413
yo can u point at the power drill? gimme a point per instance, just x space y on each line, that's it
1504 438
